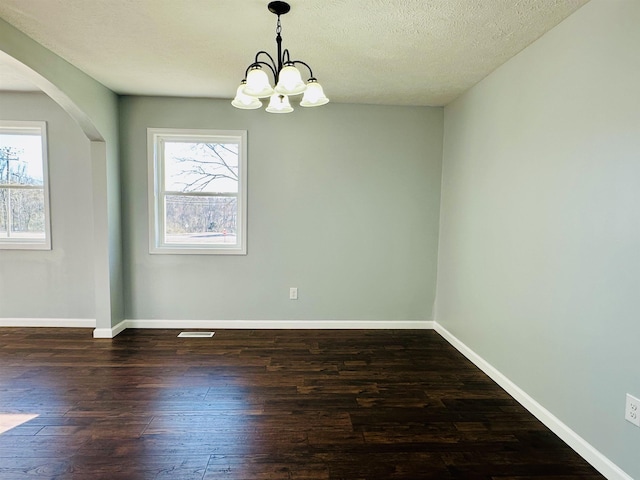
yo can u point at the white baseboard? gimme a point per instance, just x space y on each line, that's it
265 325
281 324
601 463
110 332
48 322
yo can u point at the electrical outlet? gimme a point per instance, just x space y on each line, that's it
293 293
632 410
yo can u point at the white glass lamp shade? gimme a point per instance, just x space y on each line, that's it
243 101
290 81
314 95
257 83
279 104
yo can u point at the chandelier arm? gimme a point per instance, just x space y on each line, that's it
285 56
258 62
306 65
274 65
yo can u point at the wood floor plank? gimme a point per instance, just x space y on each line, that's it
262 404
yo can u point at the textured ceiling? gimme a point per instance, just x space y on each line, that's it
405 52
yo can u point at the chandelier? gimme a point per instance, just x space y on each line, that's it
287 78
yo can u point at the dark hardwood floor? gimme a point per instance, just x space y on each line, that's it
262 404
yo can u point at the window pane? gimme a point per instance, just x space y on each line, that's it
201 167
21 159
200 220
27 213
4 192
24 222
198 198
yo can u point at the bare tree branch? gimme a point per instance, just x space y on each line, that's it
216 162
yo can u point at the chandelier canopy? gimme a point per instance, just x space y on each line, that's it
287 78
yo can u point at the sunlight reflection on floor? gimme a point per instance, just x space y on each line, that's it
12 420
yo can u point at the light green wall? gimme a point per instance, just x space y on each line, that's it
343 204
539 261
56 283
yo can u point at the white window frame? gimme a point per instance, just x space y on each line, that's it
20 127
155 139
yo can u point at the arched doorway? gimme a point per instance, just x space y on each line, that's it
94 109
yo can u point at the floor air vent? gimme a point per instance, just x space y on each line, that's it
196 334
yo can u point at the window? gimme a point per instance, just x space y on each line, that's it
24 186
197 191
